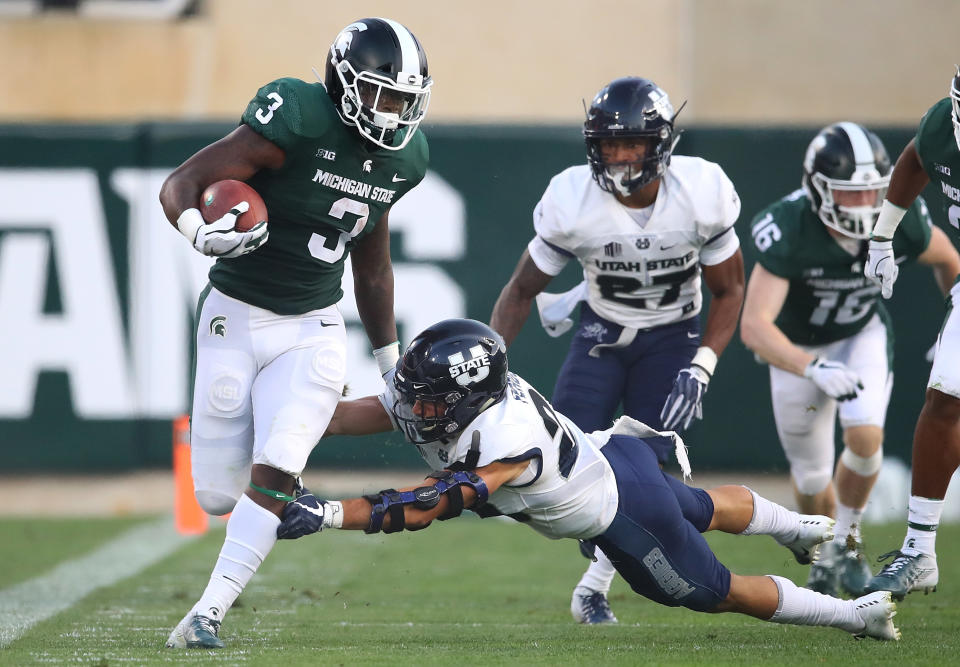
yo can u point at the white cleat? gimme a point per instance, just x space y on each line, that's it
905 574
877 610
591 607
814 529
195 631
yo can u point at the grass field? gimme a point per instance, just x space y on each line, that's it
462 592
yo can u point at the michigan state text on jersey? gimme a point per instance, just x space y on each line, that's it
499 448
328 159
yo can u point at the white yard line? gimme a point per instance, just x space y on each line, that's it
25 604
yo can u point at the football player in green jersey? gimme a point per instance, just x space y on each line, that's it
812 315
329 159
932 155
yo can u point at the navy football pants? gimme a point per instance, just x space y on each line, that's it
654 541
589 389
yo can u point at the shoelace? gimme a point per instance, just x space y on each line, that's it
597 604
208 624
900 561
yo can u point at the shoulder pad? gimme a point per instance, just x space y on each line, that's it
287 109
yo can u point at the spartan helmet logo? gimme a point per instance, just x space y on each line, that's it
468 371
218 326
343 41
367 166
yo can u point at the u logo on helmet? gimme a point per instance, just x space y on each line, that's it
468 371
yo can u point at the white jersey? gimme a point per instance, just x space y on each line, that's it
641 266
568 490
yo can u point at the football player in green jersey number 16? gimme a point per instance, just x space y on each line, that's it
932 155
329 159
813 316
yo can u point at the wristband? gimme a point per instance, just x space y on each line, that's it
888 220
333 514
387 356
189 223
706 359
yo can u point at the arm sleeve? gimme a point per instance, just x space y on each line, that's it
722 208
551 248
549 258
387 400
720 248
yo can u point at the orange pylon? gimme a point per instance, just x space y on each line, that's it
188 517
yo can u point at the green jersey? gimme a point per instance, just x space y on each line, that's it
829 298
937 147
333 188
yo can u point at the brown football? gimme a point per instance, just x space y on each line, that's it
219 198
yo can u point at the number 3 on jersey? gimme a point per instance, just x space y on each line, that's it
331 249
265 116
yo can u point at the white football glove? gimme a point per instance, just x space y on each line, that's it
835 379
219 238
881 267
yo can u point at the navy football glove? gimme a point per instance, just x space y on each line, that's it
303 516
683 405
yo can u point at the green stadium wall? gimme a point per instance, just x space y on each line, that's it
93 287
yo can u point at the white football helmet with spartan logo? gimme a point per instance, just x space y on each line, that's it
377 76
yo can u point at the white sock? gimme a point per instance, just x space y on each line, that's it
923 517
599 575
801 606
848 523
772 519
251 534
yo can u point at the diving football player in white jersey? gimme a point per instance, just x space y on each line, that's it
499 448
645 225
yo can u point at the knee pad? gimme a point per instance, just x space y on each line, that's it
862 465
811 481
216 503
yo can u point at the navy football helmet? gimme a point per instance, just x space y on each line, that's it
448 375
846 157
630 107
377 77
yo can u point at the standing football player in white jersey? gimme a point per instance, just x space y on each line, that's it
500 449
643 227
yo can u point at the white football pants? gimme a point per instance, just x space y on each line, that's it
265 388
805 415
